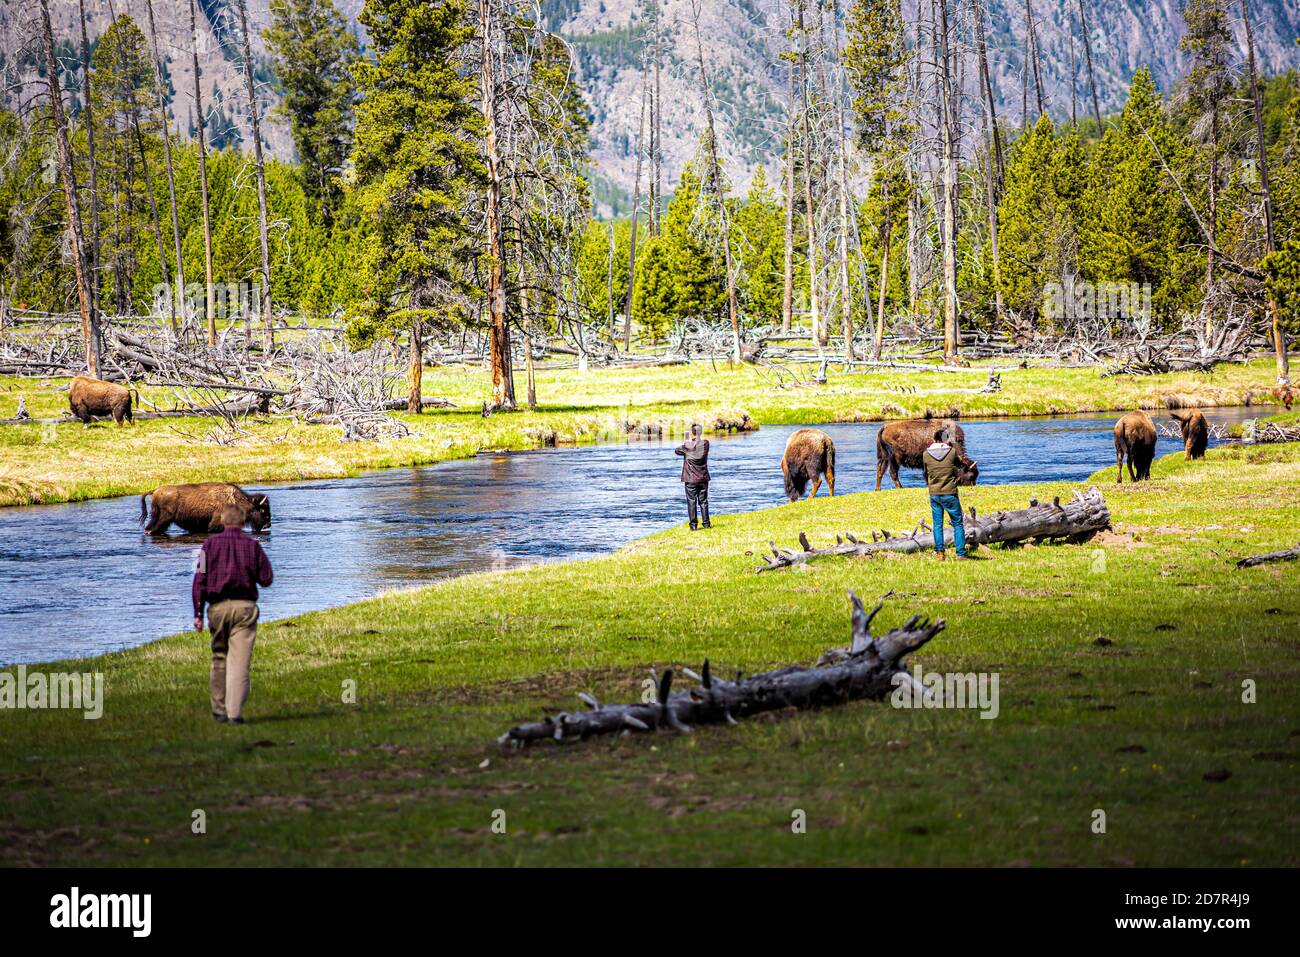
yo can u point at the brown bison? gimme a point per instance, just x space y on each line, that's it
197 508
91 397
901 445
1135 436
1196 431
809 456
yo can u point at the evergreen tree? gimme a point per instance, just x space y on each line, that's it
758 229
416 159
314 53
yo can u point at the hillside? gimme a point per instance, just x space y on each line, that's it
742 40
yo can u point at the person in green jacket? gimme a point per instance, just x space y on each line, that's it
940 464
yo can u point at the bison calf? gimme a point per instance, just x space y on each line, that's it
1135 436
197 508
91 397
901 444
1196 431
809 456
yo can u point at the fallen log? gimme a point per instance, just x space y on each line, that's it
866 669
1286 555
1076 520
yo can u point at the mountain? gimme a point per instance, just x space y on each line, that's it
742 41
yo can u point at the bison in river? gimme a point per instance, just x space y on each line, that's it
197 508
809 456
91 397
1135 436
901 444
1196 431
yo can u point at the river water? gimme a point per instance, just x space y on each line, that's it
82 579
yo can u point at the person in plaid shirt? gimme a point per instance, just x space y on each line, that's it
227 572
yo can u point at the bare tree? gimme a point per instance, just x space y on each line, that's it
209 295
178 300
950 121
993 170
503 383
1270 243
92 164
715 178
1087 55
636 217
254 114
89 314
787 292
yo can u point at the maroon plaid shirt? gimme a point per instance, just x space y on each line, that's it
229 565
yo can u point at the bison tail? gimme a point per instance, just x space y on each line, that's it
144 511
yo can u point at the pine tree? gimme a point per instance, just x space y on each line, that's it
416 160
758 231
313 53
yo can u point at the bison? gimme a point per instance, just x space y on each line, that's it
197 508
901 444
809 455
91 397
1196 432
1135 436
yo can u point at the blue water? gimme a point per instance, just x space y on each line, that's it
82 579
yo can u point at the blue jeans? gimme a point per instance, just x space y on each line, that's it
952 505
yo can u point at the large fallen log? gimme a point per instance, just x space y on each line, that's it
1286 555
865 669
1076 520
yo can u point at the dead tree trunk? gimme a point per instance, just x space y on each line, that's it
869 668
715 178
787 290
209 291
656 157
503 382
636 211
1257 100
254 114
814 264
178 302
92 164
1087 56
1287 555
85 300
1076 520
951 159
993 171
1034 55
415 370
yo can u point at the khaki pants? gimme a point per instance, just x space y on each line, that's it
234 627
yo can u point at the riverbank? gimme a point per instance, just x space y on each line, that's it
67 462
1121 666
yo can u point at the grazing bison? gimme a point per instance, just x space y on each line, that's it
1196 432
91 397
809 456
1135 436
901 445
197 508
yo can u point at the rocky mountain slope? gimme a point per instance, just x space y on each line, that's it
742 40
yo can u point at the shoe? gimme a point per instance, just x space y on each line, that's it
693 528
941 556
219 718
707 525
961 557
234 721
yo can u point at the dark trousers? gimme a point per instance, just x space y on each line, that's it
697 500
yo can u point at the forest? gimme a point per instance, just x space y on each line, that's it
441 183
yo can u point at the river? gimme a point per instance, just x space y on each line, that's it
82 579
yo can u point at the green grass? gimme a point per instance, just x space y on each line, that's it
410 773
68 462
